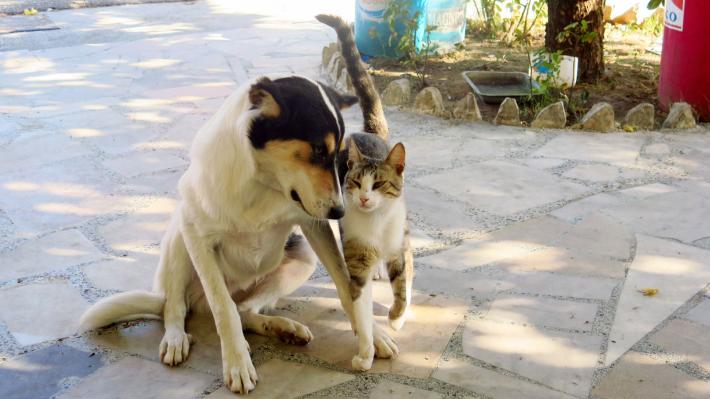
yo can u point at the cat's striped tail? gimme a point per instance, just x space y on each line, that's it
370 103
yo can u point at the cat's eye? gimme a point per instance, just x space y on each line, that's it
356 183
378 184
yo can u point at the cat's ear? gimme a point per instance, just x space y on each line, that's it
396 158
354 154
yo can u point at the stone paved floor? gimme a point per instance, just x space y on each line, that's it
531 246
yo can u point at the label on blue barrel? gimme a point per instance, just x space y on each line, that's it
448 17
674 14
371 10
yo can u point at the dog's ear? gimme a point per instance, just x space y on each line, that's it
396 158
354 154
343 101
262 96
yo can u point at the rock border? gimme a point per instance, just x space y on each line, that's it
600 118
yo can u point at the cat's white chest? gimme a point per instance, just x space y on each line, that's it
384 231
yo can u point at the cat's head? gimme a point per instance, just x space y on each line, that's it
370 184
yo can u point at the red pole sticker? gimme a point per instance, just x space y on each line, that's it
674 15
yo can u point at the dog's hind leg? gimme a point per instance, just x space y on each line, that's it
298 264
173 278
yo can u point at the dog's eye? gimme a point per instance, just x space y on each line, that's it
377 185
318 151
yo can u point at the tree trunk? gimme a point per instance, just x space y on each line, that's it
561 13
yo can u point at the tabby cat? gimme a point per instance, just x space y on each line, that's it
374 228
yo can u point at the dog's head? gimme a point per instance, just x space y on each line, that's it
295 140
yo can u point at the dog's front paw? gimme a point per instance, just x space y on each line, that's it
385 346
238 370
291 331
174 347
362 363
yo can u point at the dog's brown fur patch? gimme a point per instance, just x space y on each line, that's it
266 103
296 154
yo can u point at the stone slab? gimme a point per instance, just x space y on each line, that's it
143 339
678 271
564 361
615 149
677 215
40 312
58 196
137 378
645 191
492 384
140 163
542 312
142 229
594 173
639 376
700 313
43 372
576 210
689 340
431 322
598 173
388 389
544 163
288 380
458 284
511 242
123 273
552 284
502 188
54 251
442 214
566 261
34 150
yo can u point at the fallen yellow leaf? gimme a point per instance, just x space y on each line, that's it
29 11
629 128
649 291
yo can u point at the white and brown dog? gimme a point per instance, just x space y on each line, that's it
264 165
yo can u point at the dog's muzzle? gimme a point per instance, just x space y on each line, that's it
336 212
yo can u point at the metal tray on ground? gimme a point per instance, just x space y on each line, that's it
493 87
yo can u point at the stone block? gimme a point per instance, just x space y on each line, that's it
397 92
508 113
429 101
641 116
553 116
600 118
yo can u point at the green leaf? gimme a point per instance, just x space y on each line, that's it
653 4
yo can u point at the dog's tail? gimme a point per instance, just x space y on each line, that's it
125 306
370 103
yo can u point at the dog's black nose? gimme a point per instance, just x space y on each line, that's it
336 213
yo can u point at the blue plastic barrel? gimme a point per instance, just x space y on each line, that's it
448 17
372 32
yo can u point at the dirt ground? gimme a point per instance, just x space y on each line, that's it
631 77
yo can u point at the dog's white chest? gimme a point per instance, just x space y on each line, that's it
254 253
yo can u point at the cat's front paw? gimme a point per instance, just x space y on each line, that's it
362 363
385 346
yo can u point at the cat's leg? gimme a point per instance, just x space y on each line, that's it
380 272
361 260
297 266
401 274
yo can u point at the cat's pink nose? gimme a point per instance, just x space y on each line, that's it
363 200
